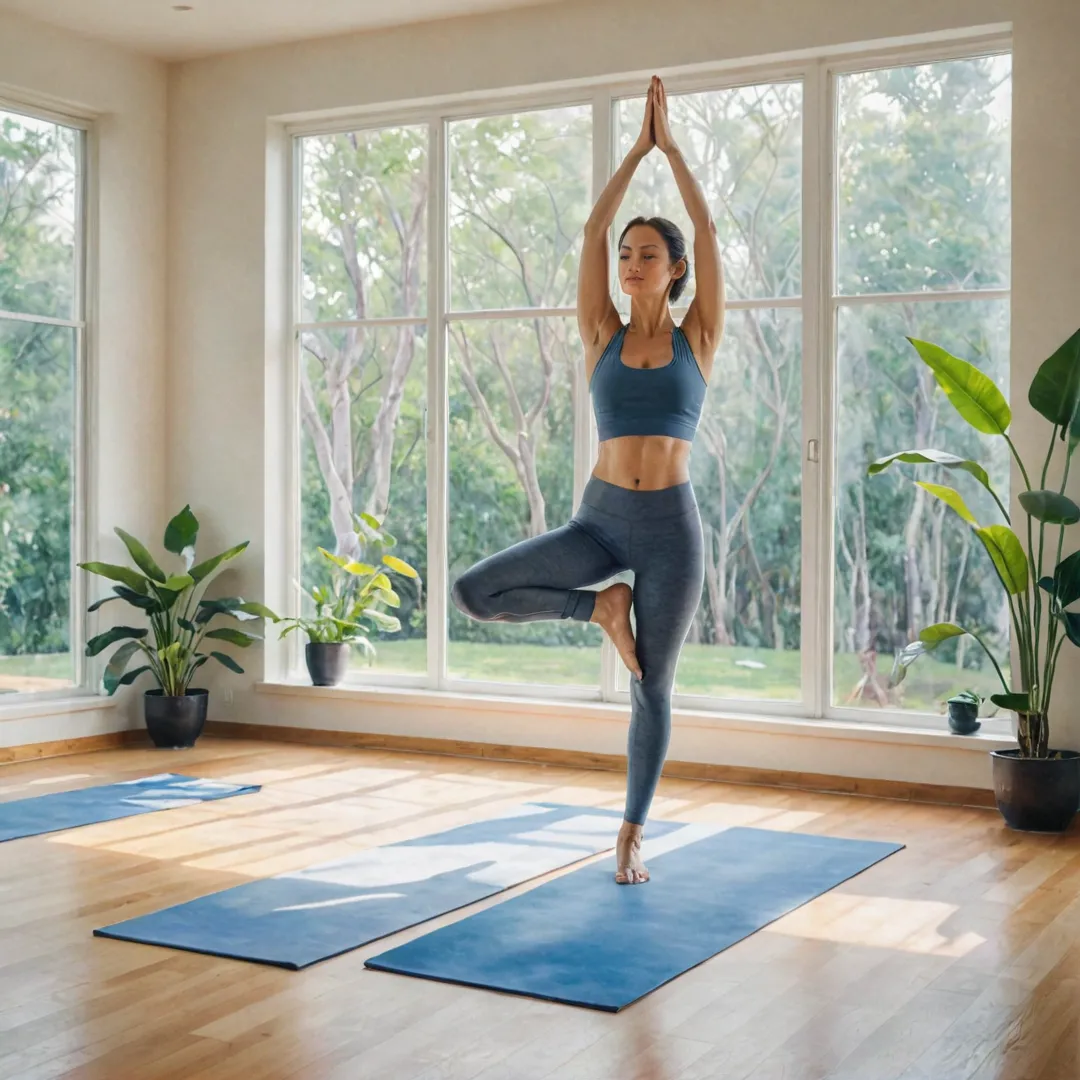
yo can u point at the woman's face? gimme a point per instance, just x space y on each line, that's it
645 269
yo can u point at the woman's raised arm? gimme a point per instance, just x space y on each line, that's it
704 319
594 304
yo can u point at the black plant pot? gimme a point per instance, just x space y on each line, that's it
1037 794
963 717
327 661
174 723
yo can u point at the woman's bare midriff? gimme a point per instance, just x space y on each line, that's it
643 462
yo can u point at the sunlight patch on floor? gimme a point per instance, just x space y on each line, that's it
33 787
879 921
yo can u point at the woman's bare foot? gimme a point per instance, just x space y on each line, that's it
629 869
612 612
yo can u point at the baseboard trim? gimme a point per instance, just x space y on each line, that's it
64 747
906 791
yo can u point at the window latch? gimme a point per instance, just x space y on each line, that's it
813 450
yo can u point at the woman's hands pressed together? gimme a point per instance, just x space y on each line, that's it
645 140
655 128
661 126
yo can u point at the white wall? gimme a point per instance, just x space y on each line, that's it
127 96
220 252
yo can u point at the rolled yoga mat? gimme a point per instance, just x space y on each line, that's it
108 802
296 919
584 940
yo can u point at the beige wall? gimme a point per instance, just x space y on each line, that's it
1046 252
127 94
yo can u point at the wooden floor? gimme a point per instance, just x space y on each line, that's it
957 959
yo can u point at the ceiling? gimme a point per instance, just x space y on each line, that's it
154 27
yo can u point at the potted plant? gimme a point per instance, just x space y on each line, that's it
964 712
180 619
347 609
1037 787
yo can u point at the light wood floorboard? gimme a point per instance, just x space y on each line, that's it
957 959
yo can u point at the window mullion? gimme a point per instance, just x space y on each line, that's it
83 501
292 654
926 296
604 135
437 404
50 320
817 390
827 521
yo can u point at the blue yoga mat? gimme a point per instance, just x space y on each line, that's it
584 940
107 802
295 919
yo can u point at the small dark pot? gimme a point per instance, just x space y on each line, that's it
327 661
963 717
1037 794
174 723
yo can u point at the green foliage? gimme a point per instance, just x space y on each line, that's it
965 697
1055 390
1040 635
38 176
1050 507
519 197
933 457
974 396
347 609
36 381
950 496
179 616
38 179
923 204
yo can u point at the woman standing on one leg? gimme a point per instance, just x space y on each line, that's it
638 510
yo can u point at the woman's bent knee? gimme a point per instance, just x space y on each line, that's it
468 599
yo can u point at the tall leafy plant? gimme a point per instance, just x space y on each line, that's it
347 609
1038 600
177 609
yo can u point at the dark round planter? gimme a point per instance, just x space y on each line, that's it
963 717
175 723
327 662
1037 794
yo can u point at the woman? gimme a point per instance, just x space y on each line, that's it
638 511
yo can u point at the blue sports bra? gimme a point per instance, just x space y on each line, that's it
663 400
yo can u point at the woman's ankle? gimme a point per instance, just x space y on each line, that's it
599 610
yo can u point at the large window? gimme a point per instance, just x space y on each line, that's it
363 358
744 145
439 257
922 251
41 345
520 188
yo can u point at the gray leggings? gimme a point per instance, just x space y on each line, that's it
657 535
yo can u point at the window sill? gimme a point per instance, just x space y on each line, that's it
615 712
28 706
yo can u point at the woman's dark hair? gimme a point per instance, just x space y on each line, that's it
676 246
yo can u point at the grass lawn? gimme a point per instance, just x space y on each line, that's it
707 670
28 673
703 669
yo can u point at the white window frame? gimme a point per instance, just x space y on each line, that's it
830 302
818 71
83 300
